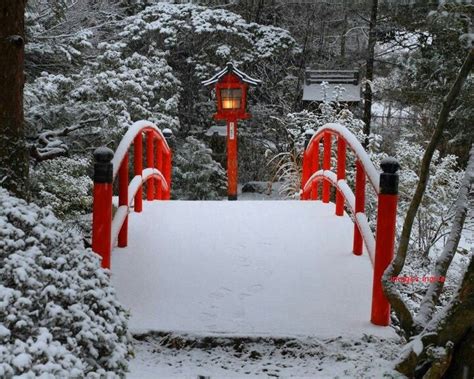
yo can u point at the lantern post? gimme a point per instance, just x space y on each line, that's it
231 87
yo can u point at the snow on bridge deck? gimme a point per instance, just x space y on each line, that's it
246 268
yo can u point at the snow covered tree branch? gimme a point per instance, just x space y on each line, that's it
399 306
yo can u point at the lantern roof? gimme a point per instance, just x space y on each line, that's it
230 68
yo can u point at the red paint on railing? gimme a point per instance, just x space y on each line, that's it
102 221
138 168
326 165
341 174
384 246
357 246
105 229
159 167
150 157
123 200
386 189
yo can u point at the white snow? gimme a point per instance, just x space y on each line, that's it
360 218
248 268
117 222
127 141
370 170
22 360
367 235
417 345
138 180
187 356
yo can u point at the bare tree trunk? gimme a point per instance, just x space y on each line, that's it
398 305
343 35
13 152
452 330
302 65
369 76
434 290
259 10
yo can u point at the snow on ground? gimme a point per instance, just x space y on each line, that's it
279 268
276 277
187 356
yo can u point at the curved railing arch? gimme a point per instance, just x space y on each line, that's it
360 219
109 166
317 169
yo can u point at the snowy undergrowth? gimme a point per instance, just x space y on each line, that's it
187 356
59 316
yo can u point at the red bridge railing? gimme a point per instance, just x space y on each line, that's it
317 169
157 176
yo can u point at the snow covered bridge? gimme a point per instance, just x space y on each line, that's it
280 268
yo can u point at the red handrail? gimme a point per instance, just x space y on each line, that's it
157 175
380 247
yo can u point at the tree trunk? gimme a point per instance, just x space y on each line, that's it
461 207
369 76
398 305
259 11
13 152
343 36
452 330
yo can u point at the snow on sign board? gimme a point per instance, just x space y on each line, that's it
332 85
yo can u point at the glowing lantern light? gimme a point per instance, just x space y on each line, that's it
231 91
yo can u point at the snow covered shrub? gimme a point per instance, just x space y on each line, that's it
288 169
63 184
59 316
288 172
196 176
432 221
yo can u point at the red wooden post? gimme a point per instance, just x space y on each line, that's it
385 238
167 173
307 160
315 167
102 208
167 162
357 245
327 165
150 189
123 200
341 173
159 167
306 169
232 165
314 190
138 168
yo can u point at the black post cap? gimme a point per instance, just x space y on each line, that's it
167 133
389 176
389 165
103 154
308 134
103 168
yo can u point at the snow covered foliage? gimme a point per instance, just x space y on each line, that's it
59 317
288 169
199 33
196 176
63 184
149 66
104 97
199 41
434 216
